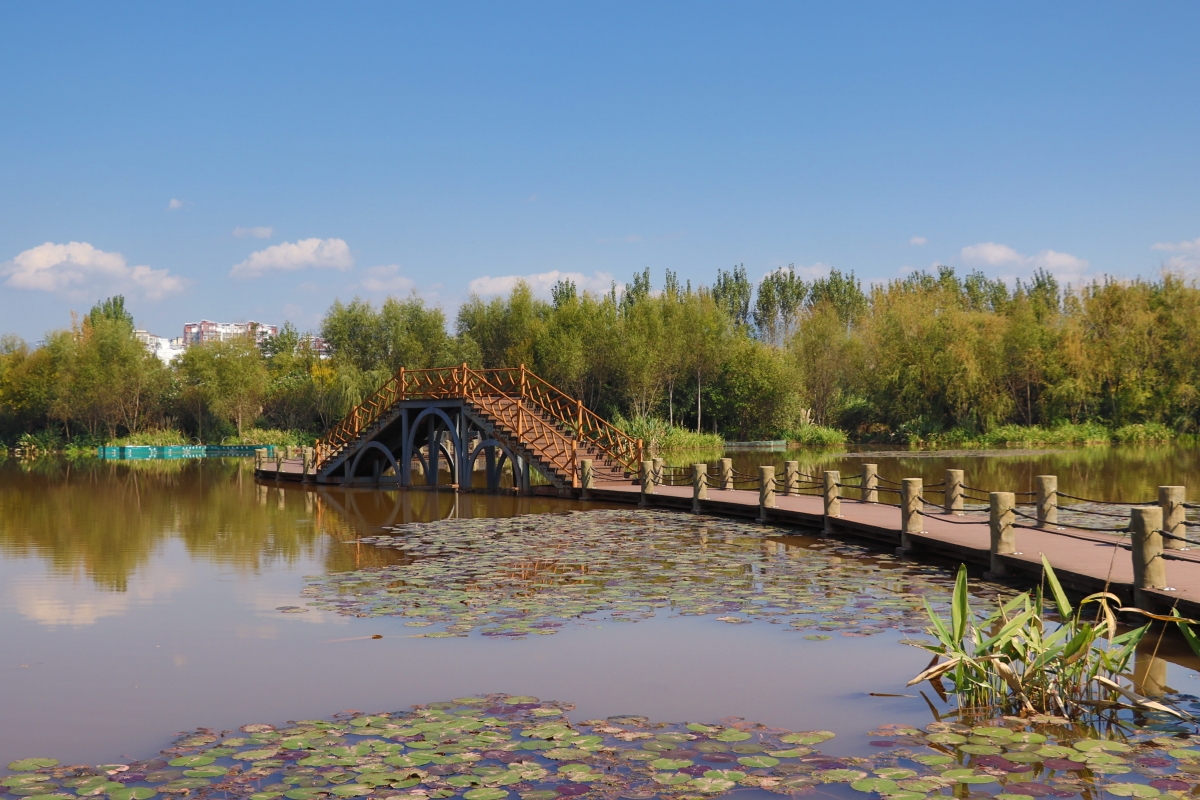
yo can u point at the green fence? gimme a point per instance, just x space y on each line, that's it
140 451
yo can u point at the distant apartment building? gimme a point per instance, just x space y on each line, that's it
209 331
166 349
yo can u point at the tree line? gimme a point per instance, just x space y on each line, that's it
906 360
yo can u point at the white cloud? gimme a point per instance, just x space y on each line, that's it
58 602
78 267
261 232
542 282
175 204
1178 247
1064 266
918 240
991 254
385 280
289 257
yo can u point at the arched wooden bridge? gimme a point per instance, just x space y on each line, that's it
511 418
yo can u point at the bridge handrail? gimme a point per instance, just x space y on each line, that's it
465 382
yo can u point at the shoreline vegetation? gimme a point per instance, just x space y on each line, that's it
931 361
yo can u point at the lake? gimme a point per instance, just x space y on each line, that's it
141 599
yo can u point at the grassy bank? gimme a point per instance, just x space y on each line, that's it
659 436
1090 433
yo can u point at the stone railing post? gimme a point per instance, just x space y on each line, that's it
305 462
1046 490
647 482
910 512
658 472
1003 539
587 478
699 485
260 456
766 491
791 477
726 465
954 492
1170 500
833 499
870 483
1149 570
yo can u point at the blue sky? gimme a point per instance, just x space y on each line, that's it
255 161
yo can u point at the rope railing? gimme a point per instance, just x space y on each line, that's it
1126 529
1106 502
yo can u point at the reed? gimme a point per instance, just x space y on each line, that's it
1014 660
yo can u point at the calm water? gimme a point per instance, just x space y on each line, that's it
138 600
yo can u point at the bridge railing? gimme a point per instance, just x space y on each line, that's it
517 383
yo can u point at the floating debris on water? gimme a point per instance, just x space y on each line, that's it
500 747
513 577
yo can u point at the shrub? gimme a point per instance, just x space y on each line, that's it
271 436
816 436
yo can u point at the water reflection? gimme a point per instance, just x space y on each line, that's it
104 520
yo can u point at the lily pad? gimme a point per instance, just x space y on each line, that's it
28 764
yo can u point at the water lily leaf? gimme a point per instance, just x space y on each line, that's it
992 732
932 759
191 761
732 735
980 749
305 794
758 762
205 772
840 775
874 785
1132 790
807 737
255 755
671 778
1011 796
895 773
711 785
672 763
1088 745
133 793
947 738
29 764
794 752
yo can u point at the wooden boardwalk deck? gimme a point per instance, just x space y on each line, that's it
1085 561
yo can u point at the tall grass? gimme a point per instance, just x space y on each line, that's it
659 436
1013 661
816 436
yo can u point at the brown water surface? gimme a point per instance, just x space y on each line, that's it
138 599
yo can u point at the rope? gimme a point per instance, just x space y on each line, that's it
1104 502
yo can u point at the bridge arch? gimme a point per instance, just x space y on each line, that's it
448 424
353 471
493 476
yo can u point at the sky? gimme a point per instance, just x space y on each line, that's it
257 161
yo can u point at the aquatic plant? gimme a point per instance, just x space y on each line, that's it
499 747
659 436
532 575
1013 659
